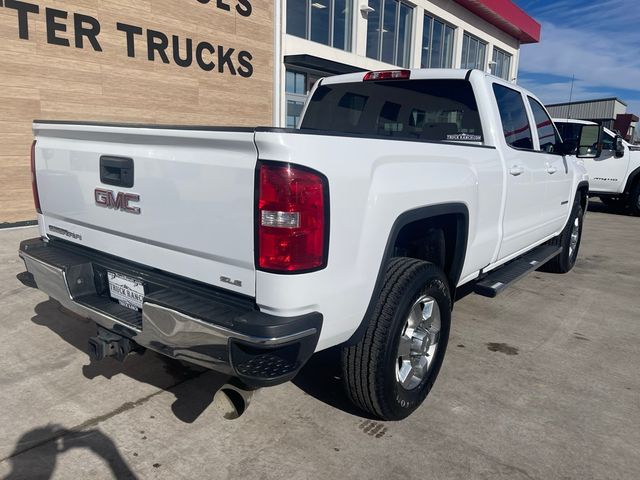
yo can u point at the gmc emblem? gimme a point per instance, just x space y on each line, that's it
120 201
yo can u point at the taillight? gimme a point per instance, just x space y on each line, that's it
34 181
292 219
388 75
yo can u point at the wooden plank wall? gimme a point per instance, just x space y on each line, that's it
40 80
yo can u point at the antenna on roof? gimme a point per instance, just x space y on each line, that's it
573 79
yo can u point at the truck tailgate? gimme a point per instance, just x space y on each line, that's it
195 188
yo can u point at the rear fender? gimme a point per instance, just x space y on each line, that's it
461 212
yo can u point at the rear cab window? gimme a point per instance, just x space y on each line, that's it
428 110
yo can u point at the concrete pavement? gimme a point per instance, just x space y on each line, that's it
541 383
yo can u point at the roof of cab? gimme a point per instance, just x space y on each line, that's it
573 120
416 74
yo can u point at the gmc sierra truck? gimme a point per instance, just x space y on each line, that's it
247 250
615 173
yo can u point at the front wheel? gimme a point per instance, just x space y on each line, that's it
392 369
569 240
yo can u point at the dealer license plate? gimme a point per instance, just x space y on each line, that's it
128 291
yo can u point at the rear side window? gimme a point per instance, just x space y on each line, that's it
515 122
431 110
549 138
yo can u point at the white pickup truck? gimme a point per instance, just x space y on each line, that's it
247 250
615 173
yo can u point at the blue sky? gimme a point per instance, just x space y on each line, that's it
597 41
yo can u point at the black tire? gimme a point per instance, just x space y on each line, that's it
369 367
634 199
566 260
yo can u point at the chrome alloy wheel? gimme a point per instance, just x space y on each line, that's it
575 237
418 343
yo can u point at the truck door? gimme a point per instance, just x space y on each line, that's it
525 176
607 173
556 202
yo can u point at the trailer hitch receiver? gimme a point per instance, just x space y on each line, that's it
108 344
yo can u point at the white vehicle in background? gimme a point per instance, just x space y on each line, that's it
615 173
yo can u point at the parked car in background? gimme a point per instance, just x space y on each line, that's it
247 250
615 173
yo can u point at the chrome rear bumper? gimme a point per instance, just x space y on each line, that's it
215 331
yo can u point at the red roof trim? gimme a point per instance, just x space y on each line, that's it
507 16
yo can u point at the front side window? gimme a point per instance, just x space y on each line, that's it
608 142
389 31
515 122
430 110
323 21
501 65
437 44
474 52
547 133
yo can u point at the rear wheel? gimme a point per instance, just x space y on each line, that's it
569 240
393 367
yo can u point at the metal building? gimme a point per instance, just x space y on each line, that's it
609 112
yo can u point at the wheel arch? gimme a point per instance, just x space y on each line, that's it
633 178
452 214
583 192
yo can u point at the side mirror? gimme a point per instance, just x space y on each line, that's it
619 147
590 141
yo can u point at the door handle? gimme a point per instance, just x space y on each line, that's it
551 169
516 170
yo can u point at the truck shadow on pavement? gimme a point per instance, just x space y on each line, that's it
321 378
194 388
36 452
596 205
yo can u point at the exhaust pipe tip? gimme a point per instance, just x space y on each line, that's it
233 400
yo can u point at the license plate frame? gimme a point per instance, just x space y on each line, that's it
127 291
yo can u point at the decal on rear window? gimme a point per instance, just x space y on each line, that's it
465 137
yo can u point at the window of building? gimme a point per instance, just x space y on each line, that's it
296 88
474 52
515 122
437 44
389 31
429 110
547 133
324 21
501 66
